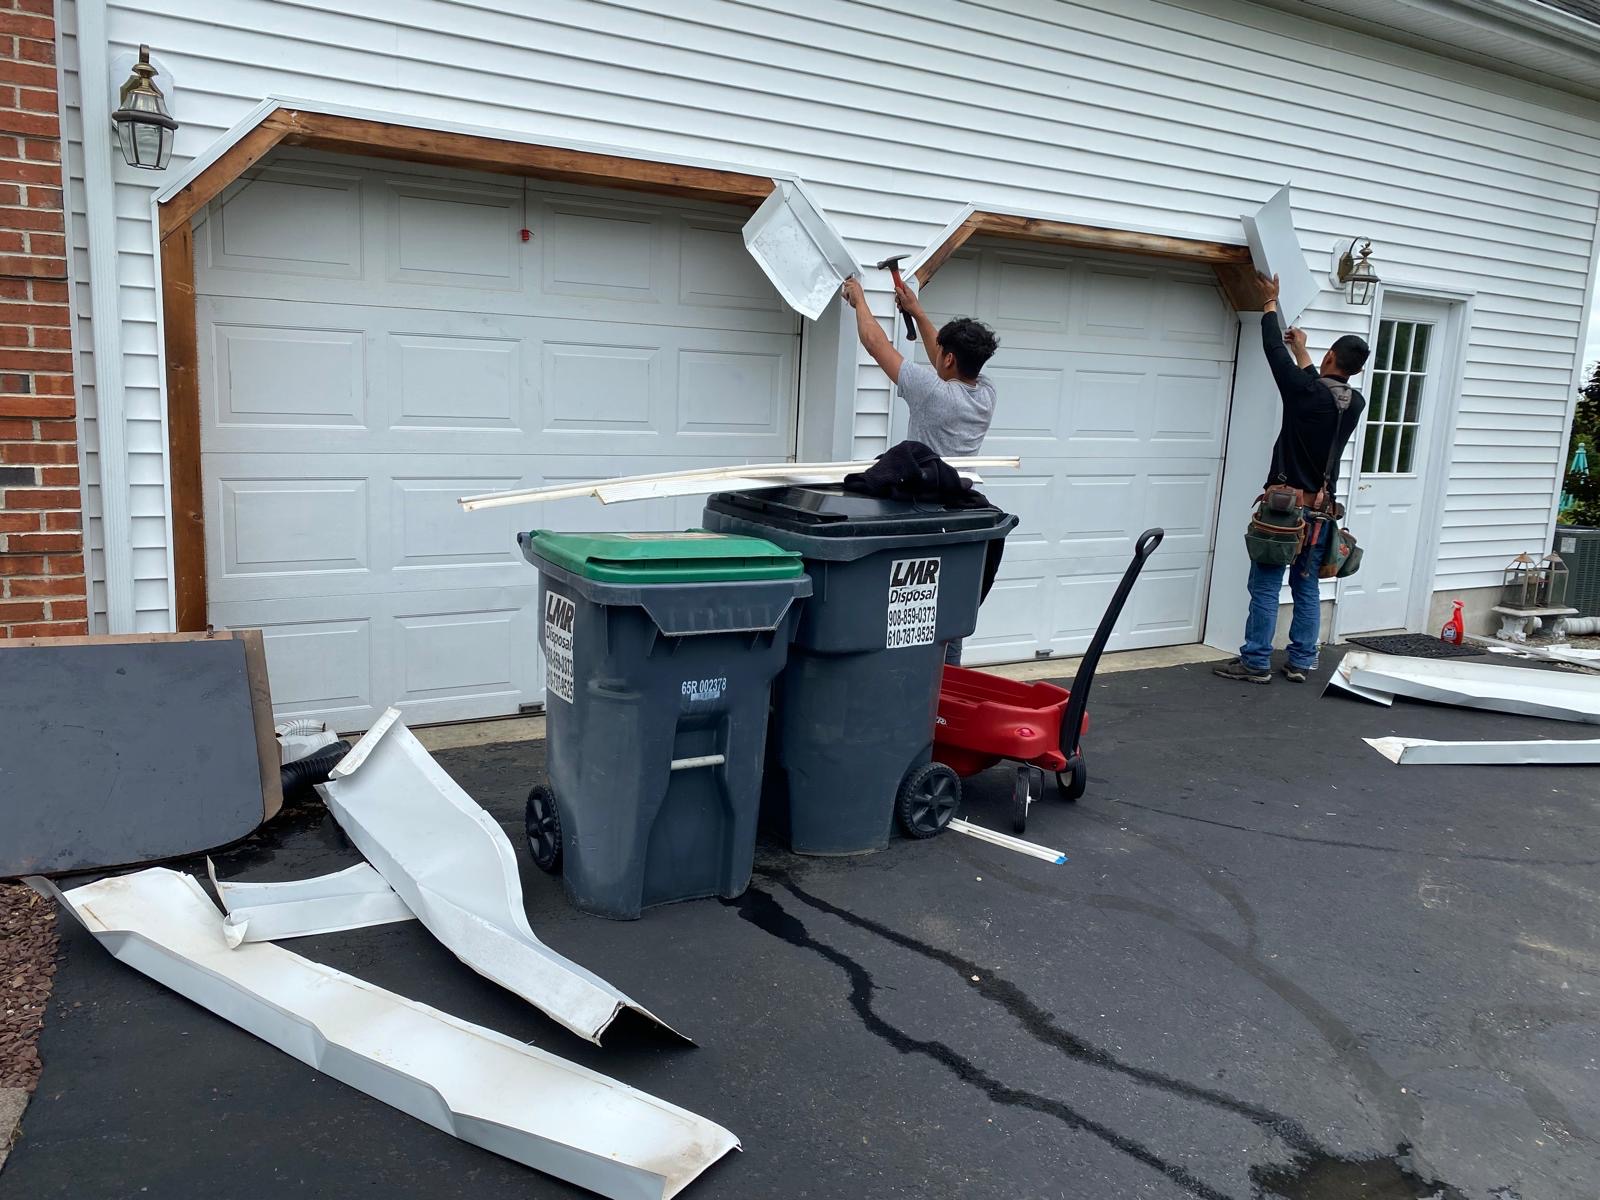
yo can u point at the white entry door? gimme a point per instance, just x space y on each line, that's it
377 341
1403 379
1112 383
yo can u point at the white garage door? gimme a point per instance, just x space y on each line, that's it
1113 379
375 343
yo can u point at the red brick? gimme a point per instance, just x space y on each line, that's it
14 430
10 147
59 476
19 217
49 243
48 291
23 313
28 266
22 610
30 173
31 124
53 361
36 49
59 521
27 74
42 7
53 383
65 564
13 335
15 522
36 406
43 197
39 100
41 543
58 431
42 150
66 586
48 629
51 337
13 289
62 610
27 26
11 242
25 499
21 564
49 453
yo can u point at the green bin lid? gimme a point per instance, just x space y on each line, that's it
694 556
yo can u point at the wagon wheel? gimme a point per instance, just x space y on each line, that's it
1074 779
1029 786
543 823
928 798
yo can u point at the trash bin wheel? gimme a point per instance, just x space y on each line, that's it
543 823
929 797
1074 779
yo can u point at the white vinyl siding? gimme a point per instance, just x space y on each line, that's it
1133 113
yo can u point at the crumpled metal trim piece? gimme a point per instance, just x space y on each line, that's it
271 912
464 1079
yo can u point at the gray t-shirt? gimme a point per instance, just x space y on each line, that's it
947 416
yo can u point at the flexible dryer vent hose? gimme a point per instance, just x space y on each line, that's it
299 776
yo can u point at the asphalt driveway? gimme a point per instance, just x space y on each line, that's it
1274 965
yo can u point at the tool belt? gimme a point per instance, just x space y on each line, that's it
1288 519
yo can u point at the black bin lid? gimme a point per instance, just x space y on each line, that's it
827 510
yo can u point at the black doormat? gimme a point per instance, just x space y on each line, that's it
1416 645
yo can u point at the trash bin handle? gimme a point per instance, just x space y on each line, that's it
701 760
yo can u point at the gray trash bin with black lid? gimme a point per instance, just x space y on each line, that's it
893 581
660 650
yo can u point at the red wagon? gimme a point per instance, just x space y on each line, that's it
984 719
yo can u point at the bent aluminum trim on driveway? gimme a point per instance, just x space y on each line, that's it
1527 691
464 1079
1408 752
270 912
452 865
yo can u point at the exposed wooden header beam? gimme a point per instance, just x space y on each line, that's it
1231 262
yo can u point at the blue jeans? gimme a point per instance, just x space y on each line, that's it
1266 584
952 653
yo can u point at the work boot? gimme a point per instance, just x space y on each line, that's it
1237 670
1296 674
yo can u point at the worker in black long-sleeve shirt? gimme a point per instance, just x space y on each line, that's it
1320 412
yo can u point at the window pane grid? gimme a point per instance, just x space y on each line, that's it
1394 411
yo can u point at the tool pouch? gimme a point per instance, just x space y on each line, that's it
1277 529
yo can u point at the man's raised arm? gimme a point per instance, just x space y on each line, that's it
873 338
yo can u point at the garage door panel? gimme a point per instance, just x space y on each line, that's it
286 220
1119 417
360 377
455 237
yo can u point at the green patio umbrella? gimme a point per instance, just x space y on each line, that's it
1579 468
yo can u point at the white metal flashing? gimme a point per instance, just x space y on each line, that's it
452 865
798 249
1007 842
1523 690
469 1081
707 479
1409 752
1341 680
272 912
1275 249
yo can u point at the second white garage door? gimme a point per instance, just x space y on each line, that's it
375 343
1113 379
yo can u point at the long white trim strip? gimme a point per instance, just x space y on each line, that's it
1006 841
111 422
272 912
452 865
469 1081
1408 752
641 487
1340 679
1527 691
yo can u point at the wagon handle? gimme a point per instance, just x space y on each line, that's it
1072 723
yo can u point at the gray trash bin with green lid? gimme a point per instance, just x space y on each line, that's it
893 581
660 650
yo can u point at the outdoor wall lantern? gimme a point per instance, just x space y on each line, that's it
145 128
1354 271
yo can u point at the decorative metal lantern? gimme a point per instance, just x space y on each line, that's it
145 128
1523 583
1356 274
1553 590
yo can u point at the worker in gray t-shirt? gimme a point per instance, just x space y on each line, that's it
951 401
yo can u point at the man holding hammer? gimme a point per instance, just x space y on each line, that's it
951 400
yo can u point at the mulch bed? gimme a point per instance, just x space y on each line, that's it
27 965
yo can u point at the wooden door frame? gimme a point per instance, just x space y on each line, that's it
373 137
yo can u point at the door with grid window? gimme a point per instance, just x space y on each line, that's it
1392 451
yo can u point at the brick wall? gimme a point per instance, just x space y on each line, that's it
42 589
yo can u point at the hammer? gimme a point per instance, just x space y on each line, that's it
892 265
